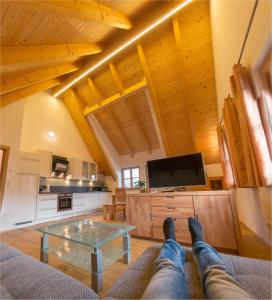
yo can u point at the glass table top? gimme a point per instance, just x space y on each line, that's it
86 232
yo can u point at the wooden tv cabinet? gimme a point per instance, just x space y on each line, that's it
147 212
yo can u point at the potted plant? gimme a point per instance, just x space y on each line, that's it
141 185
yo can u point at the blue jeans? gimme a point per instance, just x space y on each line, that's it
168 281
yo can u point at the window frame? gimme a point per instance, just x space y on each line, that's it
131 177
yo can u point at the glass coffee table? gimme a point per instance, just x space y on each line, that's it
87 244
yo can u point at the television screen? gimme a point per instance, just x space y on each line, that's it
176 171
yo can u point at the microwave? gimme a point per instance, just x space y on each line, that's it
59 166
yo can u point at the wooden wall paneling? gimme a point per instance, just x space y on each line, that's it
112 132
90 10
27 91
76 109
195 32
10 84
183 79
153 95
133 115
120 130
21 54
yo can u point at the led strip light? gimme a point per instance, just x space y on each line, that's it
125 45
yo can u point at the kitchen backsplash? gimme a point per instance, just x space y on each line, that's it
53 185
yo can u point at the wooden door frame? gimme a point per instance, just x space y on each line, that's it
3 172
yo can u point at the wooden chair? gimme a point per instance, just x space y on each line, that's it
108 212
119 204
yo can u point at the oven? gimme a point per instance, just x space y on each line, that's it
65 201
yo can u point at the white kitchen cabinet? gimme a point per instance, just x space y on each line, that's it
105 198
80 169
45 162
26 193
79 202
47 206
29 163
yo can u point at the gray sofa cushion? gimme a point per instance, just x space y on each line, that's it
254 275
26 278
6 252
4 294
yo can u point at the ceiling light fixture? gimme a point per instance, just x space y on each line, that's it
125 45
51 135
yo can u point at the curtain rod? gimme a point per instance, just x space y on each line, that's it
245 40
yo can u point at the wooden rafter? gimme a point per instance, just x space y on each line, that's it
183 78
117 97
95 91
27 91
76 107
119 84
116 78
155 101
89 10
16 82
22 54
120 130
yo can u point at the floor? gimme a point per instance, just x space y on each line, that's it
27 240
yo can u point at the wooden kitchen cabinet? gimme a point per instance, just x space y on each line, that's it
45 162
215 215
138 214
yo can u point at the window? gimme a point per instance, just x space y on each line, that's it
130 177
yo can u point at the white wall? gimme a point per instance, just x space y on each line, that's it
229 20
250 203
44 113
11 119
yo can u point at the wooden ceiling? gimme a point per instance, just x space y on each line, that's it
162 89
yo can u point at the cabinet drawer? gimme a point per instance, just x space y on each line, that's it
47 204
181 235
175 212
172 201
180 224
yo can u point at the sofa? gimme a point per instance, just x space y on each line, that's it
23 277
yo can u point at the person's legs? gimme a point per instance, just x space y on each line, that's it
168 281
218 282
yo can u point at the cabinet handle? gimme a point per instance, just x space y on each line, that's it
171 197
172 208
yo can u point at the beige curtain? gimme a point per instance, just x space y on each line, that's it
225 158
252 130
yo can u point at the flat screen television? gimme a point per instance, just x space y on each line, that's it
185 170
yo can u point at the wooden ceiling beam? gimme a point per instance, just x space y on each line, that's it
118 97
95 91
183 79
89 10
27 91
23 54
76 108
120 130
119 84
16 82
154 97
